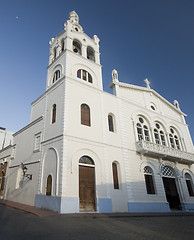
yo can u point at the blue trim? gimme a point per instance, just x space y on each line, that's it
104 205
148 207
188 207
57 204
48 202
69 205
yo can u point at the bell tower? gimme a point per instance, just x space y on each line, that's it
74 55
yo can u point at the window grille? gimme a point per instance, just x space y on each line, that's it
167 172
147 170
86 160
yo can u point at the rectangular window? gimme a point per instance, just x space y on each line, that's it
13 153
157 138
146 135
84 75
110 123
89 78
149 184
37 142
140 134
163 140
79 73
115 176
177 144
172 143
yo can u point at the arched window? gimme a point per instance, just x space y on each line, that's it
86 160
142 130
49 186
189 183
90 54
77 47
56 76
111 123
159 135
53 113
148 174
85 115
84 75
115 175
174 140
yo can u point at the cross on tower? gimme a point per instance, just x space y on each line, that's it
147 83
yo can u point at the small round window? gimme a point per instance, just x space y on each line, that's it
141 120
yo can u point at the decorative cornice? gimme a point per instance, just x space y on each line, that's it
51 139
26 163
58 82
4 149
28 126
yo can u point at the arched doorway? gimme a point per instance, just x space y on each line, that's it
87 198
170 187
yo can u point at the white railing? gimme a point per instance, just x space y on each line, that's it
145 147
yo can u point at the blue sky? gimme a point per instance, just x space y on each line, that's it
140 38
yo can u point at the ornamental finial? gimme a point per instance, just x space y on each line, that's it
114 75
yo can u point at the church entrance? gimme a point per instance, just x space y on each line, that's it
172 195
87 199
170 187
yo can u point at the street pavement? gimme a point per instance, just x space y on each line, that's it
17 225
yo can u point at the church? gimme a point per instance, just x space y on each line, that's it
86 150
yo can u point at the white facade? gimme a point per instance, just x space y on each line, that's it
134 145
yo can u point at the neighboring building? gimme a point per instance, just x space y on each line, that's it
6 138
88 150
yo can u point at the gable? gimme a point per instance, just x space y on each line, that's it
149 99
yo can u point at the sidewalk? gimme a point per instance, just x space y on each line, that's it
27 208
45 213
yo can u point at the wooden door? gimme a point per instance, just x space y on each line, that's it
172 195
87 189
3 169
